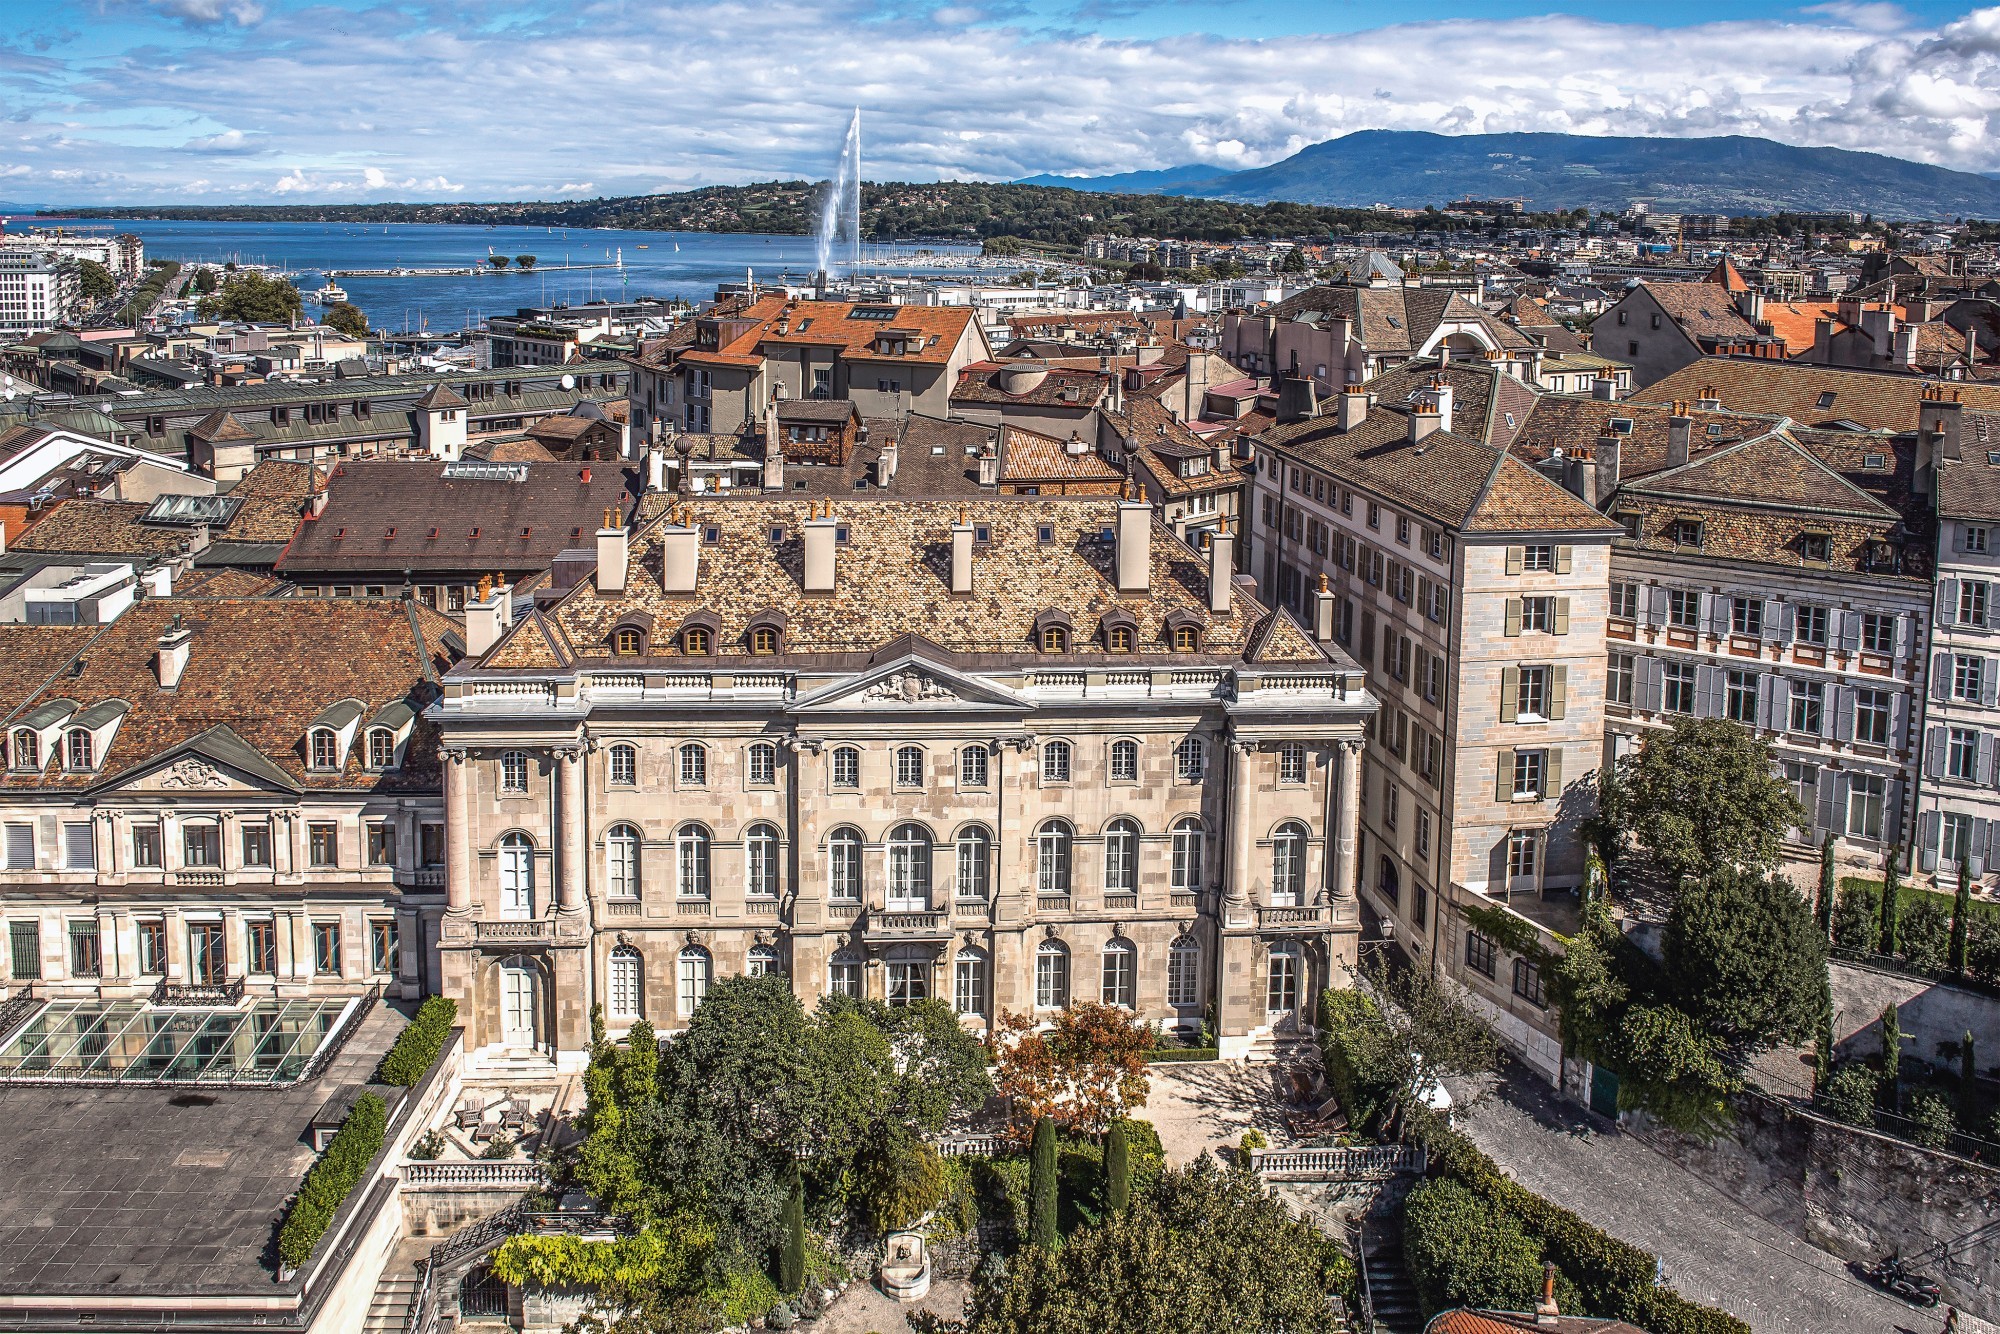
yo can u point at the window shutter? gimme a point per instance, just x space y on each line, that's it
1558 690
1829 800
1770 714
1365 650
1940 676
1515 556
79 849
1934 752
1947 602
1899 718
1975 858
1562 616
21 846
1652 672
1784 627
1958 537
1563 559
1984 773
1552 771
1989 680
1504 787
1892 814
1513 616
1850 631
1656 605
1510 694
1707 692
1843 713
1904 625
1927 827
1829 707
1717 620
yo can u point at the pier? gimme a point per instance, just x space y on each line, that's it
466 270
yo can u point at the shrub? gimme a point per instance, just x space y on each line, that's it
1042 1184
332 1179
902 1179
1253 1138
500 1147
1982 948
1463 1252
1925 933
418 1045
1932 1119
428 1148
792 1251
1117 1169
1362 1090
1850 1094
1854 920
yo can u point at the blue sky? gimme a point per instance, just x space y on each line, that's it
259 100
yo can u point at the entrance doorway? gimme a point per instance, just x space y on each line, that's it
517 1003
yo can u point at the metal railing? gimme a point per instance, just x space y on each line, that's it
1364 1319
331 1047
16 1009
423 1313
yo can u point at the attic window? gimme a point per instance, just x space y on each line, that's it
711 535
870 313
1825 400
433 534
805 324
1882 460
473 535
840 536
1510 419
777 535
525 532
1815 546
1045 534
1621 425
1993 457
1685 532
1715 430
981 533
339 534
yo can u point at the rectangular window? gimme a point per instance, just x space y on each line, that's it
86 958
1809 625
323 844
1523 854
1683 608
24 944
1955 837
1871 717
201 845
257 845
1538 615
1972 602
1618 681
146 846
1392 801
1678 681
1740 697
382 946
1975 539
1529 770
1534 701
430 844
909 767
1528 983
1967 677
1866 794
20 847
1292 764
152 948
1878 633
1625 601
1423 835
846 767
261 940
1746 617
1961 754
382 844
326 947
1479 953
1808 707
972 767
1538 559
1803 780
79 846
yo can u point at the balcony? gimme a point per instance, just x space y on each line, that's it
908 927
421 877
204 994
535 931
201 879
1292 919
1051 903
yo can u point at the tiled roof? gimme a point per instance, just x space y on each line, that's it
832 324
893 581
1875 400
440 395
1968 486
1393 319
1771 469
262 668
1030 456
102 528
1158 438
1462 1321
220 427
1062 387
1703 309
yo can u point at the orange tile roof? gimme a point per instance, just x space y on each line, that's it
832 324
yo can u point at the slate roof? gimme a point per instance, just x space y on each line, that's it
1875 400
221 427
1394 319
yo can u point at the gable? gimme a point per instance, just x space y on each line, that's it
914 683
217 760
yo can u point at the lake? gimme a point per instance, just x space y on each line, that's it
661 264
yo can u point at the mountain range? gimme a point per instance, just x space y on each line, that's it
1731 174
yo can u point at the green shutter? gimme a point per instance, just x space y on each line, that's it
1558 688
1513 616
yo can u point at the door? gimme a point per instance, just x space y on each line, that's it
208 962
517 1005
1603 1092
1281 999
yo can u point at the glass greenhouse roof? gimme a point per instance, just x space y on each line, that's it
132 1042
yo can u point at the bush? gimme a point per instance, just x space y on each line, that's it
1855 918
1361 1090
332 1179
428 1148
1850 1094
902 1179
1982 948
1253 1138
1463 1252
500 1147
1932 1117
1925 933
418 1045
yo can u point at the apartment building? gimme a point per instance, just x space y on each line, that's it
1472 589
37 292
1007 752
1348 333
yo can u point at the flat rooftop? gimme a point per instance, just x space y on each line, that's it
116 1190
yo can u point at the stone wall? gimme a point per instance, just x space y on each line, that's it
1857 1194
1927 1013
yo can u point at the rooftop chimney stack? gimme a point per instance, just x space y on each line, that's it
482 619
1609 451
656 469
1750 305
172 658
680 554
1546 1310
1906 345
1440 394
821 551
1135 546
611 554
1424 419
1323 606
1680 426
989 466
1352 408
1604 385
1221 566
774 470
961 556
885 464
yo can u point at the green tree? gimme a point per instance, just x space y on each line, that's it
1968 1077
1747 960
1924 932
1670 1066
1387 1043
346 317
1932 1118
1828 888
1461 1251
1857 919
792 1254
94 281
204 281
524 261
1891 907
1042 1184
1702 795
1118 1168
1294 261
1850 1094
1961 921
249 295
901 1178
1892 1057
497 261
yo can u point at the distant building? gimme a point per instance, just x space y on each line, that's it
36 292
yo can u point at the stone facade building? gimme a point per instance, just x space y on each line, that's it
1011 753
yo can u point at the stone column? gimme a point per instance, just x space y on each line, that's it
1242 835
571 884
1343 821
457 831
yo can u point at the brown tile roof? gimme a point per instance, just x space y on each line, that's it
1572 422
1394 319
1771 469
220 427
1158 440
894 582
223 582
440 395
1062 386
274 495
264 668
1969 485
510 449
1796 322
1462 1321
1703 310
1872 399
832 324
102 527
1029 456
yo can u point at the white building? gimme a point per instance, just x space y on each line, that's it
36 293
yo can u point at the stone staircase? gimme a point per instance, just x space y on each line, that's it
520 1066
1389 1289
397 1288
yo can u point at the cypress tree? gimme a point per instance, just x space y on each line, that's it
792 1250
1892 1057
1823 1052
1826 887
1892 894
1117 1170
1968 1070
1042 1184
1961 920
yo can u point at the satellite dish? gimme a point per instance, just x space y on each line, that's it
569 382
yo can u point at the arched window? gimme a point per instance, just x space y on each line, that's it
691 860
1121 857
1187 639
82 751
1190 760
381 748
843 974
909 766
627 642
763 961
1055 762
1288 865
695 641
624 765
975 863
1052 858
909 868
325 748
1188 845
763 639
1281 995
843 866
696 969
26 752
1051 975
1118 973
513 772
626 993
760 861
621 862
845 767
1389 882
1119 640
763 764
1184 972
694 765
909 974
517 876
1055 639
968 981
1124 761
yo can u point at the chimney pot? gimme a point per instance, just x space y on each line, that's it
612 552
1352 409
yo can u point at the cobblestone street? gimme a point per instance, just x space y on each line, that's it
1711 1249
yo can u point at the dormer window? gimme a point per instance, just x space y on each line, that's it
25 754
1187 639
627 642
82 750
1816 546
381 748
1685 532
764 639
1055 639
1120 639
324 748
695 641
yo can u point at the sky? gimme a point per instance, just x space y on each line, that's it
255 101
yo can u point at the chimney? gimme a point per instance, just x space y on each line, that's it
1710 401
172 658
1135 546
1546 1310
611 554
1906 345
1679 427
885 464
1323 605
821 557
1938 422
961 556
1298 399
989 466
1579 473
1221 566
1352 408
159 581
1609 452
1822 349
1604 385
1879 323
1424 418
774 470
656 469
1074 446
1441 395
503 593
1750 305
1219 450
680 554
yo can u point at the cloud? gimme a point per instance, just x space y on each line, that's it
956 97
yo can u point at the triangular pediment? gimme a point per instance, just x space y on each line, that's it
217 760
911 681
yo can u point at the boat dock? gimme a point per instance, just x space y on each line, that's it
465 270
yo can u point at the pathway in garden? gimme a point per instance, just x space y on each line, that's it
1197 1105
864 1310
1711 1249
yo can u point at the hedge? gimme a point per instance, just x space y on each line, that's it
1614 1277
332 1179
418 1045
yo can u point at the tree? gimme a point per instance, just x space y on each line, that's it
249 295
1145 273
1702 795
204 281
1891 906
1747 961
1389 1041
1042 1184
1850 1094
1892 1057
1461 1251
497 261
1085 1072
792 1254
1968 1074
1961 921
1828 888
94 281
346 317
1118 1166
524 261
1199 1251
902 1179
1294 261
1924 933
1669 1066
